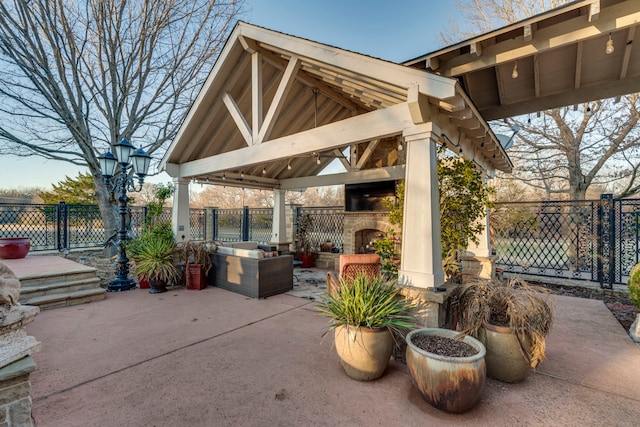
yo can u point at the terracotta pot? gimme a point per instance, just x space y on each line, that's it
307 260
143 283
14 247
364 352
451 384
506 360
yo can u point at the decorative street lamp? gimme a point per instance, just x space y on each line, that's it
140 160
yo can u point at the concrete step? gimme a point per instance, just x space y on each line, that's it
67 298
56 286
45 278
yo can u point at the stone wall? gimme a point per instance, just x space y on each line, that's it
15 393
357 221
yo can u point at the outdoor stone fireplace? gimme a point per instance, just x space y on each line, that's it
360 228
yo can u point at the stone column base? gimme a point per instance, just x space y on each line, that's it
478 267
15 393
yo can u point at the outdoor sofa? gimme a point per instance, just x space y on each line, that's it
250 269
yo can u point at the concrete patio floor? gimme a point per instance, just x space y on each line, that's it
215 358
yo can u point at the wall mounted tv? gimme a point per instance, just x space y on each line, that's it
368 196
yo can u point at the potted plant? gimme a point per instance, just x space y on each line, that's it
196 261
303 239
511 319
155 262
634 296
363 312
447 368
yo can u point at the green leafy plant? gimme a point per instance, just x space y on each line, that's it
527 310
369 301
464 198
634 285
386 247
155 259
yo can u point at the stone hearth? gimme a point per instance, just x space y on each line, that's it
362 227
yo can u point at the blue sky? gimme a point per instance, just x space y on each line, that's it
395 30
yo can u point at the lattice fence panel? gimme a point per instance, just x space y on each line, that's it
229 227
260 224
327 227
35 221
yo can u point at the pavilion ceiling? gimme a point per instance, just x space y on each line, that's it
268 87
560 55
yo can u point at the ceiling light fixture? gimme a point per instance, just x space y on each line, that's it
514 73
609 49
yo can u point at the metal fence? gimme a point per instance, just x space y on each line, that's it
327 227
69 226
595 240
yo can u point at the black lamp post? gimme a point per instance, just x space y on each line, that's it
126 157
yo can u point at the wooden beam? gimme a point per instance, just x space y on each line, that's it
247 45
616 17
390 173
475 49
594 10
528 33
627 52
376 124
256 95
338 153
288 78
366 154
536 75
373 68
236 114
419 107
578 77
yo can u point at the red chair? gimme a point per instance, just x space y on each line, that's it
350 266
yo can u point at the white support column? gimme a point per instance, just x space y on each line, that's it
180 222
483 248
421 264
279 228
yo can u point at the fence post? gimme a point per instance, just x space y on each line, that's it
245 224
215 221
62 226
606 241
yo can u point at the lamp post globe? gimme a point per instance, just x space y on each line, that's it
118 182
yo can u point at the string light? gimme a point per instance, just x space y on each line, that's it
242 174
264 171
514 73
224 177
318 159
289 165
609 49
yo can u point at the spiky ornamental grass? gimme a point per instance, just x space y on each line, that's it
527 310
368 301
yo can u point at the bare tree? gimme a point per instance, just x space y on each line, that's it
566 150
481 16
78 76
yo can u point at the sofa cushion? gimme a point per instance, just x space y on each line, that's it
244 245
226 250
249 253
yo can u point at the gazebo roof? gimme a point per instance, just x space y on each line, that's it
273 100
560 55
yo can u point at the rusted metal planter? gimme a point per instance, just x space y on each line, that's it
364 352
451 384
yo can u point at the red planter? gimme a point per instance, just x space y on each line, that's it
307 260
14 247
197 280
143 283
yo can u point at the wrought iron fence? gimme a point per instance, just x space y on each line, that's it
260 224
69 226
594 240
227 225
327 224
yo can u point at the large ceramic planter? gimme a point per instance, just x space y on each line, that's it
364 352
157 286
506 360
451 384
14 247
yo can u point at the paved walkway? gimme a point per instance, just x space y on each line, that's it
215 358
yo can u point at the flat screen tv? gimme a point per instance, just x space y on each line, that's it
368 196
